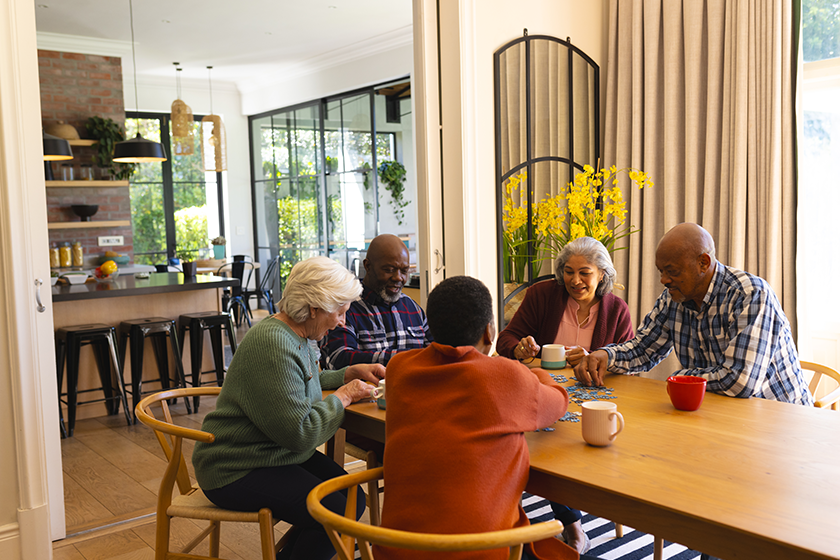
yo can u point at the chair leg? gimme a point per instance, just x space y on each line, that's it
72 382
103 367
266 534
118 373
196 353
619 530
215 537
218 353
179 367
59 370
373 489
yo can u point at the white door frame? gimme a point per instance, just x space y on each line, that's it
26 335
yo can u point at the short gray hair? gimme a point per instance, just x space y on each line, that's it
318 282
593 252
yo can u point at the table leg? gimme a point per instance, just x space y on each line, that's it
335 446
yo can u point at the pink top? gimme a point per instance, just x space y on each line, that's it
571 333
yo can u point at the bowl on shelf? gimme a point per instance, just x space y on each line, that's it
75 277
85 211
119 259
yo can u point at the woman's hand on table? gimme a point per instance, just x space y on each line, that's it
366 372
526 349
574 354
352 391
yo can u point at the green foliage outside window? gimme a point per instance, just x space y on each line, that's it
190 232
820 29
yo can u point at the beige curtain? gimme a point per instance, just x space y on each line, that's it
699 95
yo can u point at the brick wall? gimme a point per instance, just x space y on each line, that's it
74 87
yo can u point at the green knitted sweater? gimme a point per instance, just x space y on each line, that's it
270 411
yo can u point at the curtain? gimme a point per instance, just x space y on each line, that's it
699 93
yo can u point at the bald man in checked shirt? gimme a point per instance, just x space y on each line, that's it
726 325
383 321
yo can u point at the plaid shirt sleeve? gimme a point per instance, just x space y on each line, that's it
651 345
374 332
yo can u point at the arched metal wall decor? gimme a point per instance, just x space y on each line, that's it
547 118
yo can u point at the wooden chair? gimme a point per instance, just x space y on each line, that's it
191 502
832 399
344 530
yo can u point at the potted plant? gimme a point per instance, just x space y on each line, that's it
107 133
218 247
392 175
187 256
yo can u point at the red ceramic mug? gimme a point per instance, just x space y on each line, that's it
686 391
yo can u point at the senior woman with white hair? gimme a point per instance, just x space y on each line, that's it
576 310
270 416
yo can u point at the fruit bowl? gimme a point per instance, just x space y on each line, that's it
102 277
75 277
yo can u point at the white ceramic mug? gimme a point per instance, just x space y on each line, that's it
601 422
553 356
378 393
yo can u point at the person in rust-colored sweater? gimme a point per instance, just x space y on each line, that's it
456 459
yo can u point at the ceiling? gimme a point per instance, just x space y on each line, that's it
247 42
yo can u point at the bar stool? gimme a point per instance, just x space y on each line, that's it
68 344
214 322
157 329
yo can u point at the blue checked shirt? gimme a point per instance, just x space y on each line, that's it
375 330
739 341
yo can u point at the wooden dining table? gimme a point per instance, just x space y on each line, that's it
738 478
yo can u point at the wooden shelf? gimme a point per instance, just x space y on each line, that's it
91 224
82 142
98 184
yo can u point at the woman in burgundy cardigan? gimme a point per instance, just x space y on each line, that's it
584 274
563 311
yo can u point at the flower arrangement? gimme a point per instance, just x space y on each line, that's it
592 206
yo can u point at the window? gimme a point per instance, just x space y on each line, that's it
818 257
315 186
174 204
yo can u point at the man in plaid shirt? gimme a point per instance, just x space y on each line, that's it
726 325
383 321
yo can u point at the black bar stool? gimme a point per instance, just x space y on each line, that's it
214 322
157 329
68 344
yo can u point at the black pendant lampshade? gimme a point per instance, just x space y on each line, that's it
56 149
138 150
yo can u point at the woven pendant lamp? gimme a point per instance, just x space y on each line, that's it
213 139
183 131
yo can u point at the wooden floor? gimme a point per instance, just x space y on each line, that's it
111 476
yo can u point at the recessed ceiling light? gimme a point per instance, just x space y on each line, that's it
165 21
269 33
43 6
332 7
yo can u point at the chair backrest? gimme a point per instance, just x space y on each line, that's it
344 530
241 270
270 275
170 436
832 397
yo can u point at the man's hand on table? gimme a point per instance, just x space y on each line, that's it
592 369
366 372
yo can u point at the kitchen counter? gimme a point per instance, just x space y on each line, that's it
128 285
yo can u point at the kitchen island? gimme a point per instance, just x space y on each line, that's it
162 294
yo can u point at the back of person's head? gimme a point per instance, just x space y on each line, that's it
458 311
317 282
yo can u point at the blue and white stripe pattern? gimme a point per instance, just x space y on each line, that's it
739 341
634 545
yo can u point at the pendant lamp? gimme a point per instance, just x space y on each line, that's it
183 131
213 141
56 149
138 149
